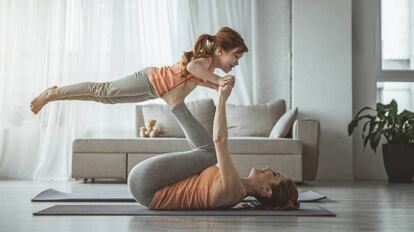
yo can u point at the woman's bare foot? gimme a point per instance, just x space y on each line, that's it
46 96
178 94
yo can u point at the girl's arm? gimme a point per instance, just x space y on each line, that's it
199 68
229 173
208 85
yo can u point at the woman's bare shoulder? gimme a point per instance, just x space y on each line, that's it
223 198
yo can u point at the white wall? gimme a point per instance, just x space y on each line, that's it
322 78
367 164
273 42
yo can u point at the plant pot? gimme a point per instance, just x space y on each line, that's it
399 162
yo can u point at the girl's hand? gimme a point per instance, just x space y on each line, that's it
225 91
230 78
226 80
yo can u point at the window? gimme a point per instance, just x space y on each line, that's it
396 35
395 41
401 92
395 53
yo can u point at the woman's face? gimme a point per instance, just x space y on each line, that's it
226 60
266 176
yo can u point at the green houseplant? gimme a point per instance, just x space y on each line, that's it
398 131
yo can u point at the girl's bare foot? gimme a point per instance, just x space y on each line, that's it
46 96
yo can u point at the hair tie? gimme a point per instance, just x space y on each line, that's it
210 43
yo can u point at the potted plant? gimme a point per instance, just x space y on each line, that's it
398 132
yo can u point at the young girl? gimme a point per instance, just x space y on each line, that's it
223 50
191 179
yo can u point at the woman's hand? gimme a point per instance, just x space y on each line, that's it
225 91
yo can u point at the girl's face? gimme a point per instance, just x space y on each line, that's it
226 60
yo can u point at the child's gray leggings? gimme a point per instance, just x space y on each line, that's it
156 172
132 88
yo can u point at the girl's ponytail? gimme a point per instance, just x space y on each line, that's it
203 47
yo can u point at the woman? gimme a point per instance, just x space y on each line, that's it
191 179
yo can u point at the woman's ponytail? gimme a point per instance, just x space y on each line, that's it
284 197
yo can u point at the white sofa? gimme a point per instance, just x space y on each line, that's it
250 145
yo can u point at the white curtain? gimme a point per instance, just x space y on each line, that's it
60 42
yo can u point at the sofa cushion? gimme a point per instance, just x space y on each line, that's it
203 110
237 145
284 125
253 120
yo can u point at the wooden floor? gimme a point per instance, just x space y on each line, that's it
360 206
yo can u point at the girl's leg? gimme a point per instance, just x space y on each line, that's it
133 88
160 171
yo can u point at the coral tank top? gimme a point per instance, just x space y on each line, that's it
167 78
193 192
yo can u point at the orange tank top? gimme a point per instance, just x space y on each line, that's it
167 78
193 192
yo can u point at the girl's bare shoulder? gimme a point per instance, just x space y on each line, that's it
205 62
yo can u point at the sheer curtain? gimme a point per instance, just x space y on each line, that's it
59 42
207 17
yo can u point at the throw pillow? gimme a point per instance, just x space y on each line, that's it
203 110
284 125
253 120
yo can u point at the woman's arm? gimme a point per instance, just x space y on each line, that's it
229 173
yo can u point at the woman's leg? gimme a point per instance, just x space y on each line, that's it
133 88
159 171
195 133
152 174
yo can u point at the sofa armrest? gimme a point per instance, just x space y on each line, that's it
307 131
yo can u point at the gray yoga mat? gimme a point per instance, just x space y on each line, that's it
52 195
137 210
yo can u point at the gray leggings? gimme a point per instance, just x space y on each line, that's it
156 172
132 88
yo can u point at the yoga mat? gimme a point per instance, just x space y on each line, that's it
52 195
119 210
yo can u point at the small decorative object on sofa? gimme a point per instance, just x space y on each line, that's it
150 130
397 130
